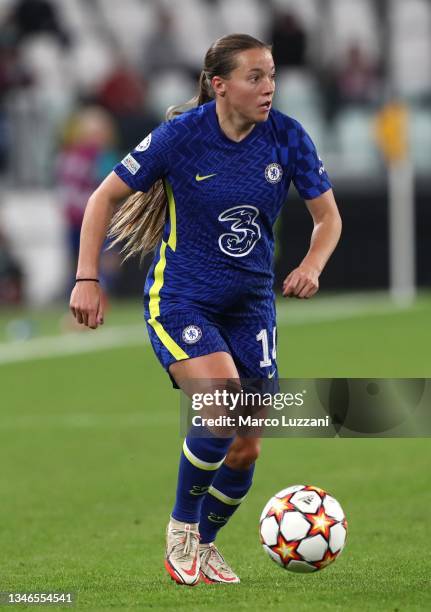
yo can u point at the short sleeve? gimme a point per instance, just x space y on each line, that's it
149 160
310 177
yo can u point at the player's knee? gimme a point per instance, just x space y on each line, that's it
243 453
250 456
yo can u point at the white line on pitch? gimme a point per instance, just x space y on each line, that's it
87 420
306 313
73 344
333 312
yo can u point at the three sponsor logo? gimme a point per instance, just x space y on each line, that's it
244 230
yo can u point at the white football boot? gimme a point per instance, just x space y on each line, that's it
182 552
214 568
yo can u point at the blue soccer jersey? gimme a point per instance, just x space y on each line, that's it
217 250
210 286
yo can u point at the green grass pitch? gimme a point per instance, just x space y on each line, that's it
88 453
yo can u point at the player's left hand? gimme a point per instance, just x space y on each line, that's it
302 282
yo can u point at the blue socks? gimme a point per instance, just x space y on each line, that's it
208 491
223 498
199 462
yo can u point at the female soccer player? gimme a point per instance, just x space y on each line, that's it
210 184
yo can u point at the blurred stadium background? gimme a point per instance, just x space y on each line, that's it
81 82
89 441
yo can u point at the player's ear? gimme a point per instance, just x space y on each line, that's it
219 86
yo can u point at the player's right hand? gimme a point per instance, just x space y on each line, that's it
87 304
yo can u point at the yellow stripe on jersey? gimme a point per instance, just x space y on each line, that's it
199 463
172 242
159 273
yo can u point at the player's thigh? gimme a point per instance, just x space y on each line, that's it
206 375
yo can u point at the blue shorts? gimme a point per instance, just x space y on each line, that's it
249 337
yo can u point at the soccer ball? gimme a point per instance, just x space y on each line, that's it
303 528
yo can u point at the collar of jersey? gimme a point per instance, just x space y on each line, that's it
213 120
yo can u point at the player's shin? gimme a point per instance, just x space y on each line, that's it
224 497
200 460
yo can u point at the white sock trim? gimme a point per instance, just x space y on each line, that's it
230 501
199 463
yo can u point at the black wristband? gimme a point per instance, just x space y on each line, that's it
79 280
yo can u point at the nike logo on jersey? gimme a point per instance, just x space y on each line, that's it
199 178
271 374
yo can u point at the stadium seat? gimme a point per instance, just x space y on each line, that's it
249 16
352 22
5 6
357 150
129 23
297 93
91 60
167 89
420 139
76 16
44 58
37 112
411 50
196 25
307 11
35 228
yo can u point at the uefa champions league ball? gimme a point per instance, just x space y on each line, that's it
303 528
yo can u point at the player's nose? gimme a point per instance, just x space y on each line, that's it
269 86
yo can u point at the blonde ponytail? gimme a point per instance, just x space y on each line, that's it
139 222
